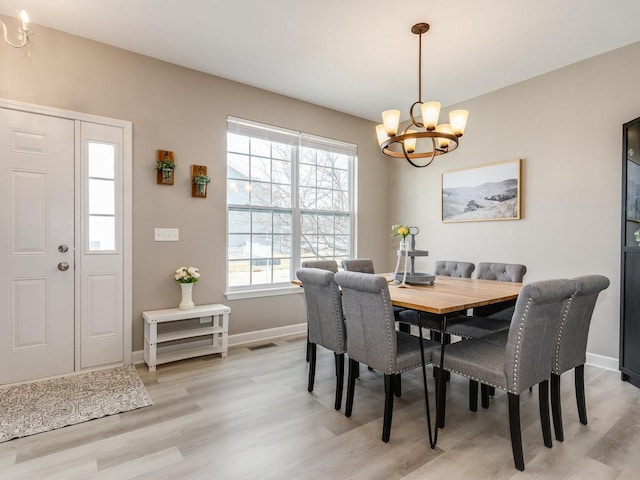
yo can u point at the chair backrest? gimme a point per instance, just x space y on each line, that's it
362 265
324 308
532 334
371 333
502 272
571 343
454 269
330 265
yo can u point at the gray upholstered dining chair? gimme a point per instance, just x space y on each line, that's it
325 321
446 268
523 361
450 268
489 318
373 340
362 265
500 272
330 265
365 265
571 346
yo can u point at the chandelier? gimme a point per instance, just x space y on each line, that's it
420 142
23 32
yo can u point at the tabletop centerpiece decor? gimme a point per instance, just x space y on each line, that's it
186 277
409 276
401 231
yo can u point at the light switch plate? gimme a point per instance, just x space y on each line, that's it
167 234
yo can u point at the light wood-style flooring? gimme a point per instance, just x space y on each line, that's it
249 416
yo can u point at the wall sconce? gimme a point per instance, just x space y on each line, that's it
165 166
23 32
200 180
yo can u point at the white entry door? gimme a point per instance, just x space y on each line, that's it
36 246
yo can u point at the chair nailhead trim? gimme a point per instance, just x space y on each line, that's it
334 293
563 322
387 302
521 322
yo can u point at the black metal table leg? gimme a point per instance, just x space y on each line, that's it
433 438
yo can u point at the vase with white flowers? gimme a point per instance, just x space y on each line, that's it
186 277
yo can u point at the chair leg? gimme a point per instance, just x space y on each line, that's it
516 433
556 407
308 347
339 379
579 381
543 401
473 395
484 395
441 398
389 381
312 366
397 385
351 386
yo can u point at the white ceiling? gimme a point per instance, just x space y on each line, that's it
355 56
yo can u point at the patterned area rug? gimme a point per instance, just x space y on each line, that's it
49 404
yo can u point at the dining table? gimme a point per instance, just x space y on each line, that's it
450 295
447 297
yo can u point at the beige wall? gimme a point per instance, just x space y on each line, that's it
177 109
566 126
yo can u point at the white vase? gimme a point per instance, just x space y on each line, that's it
187 301
404 245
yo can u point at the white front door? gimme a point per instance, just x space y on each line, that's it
36 246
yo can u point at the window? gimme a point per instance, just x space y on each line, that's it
101 196
289 199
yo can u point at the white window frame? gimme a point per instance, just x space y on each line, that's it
296 140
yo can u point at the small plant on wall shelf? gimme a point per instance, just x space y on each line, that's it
165 167
200 181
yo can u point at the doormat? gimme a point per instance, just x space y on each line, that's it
45 405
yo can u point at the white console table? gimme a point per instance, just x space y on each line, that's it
178 338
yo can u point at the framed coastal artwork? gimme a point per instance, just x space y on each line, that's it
488 192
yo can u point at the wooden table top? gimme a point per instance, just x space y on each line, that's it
449 294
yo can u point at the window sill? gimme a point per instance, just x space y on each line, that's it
266 292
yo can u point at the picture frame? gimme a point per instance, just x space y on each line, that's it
485 193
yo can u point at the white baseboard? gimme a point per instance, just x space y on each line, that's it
608 363
593 359
249 337
268 334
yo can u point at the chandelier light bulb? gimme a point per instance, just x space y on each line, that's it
410 143
381 133
430 114
444 142
458 120
391 120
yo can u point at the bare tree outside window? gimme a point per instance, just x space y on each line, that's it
288 200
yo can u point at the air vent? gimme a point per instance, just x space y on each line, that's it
259 347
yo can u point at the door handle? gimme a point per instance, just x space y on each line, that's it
63 266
